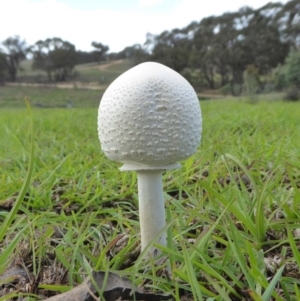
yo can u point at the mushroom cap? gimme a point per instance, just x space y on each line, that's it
149 116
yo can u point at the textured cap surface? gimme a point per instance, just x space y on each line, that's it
149 115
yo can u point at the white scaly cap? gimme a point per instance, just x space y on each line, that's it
149 118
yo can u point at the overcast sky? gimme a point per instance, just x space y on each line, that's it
116 23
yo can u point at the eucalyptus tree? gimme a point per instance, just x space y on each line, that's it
288 20
262 40
15 50
3 67
170 48
136 53
204 51
100 51
54 56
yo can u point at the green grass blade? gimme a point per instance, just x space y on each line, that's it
244 168
12 214
191 275
293 245
271 287
5 255
234 242
234 208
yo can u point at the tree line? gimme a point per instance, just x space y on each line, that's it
218 51
54 56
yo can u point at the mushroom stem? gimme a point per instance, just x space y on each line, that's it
151 207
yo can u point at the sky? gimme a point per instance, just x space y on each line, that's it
116 23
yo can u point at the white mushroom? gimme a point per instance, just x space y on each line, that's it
149 118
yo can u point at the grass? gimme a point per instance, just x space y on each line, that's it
13 97
232 209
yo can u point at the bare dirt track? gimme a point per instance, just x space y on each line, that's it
107 65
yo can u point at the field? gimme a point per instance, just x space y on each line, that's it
233 208
97 74
45 97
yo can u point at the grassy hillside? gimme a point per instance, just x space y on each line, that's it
85 91
104 73
97 74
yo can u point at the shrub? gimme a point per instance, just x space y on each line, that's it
279 77
293 69
3 67
288 75
292 94
226 89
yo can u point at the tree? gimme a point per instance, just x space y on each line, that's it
41 60
136 53
262 42
203 55
84 57
100 51
227 44
3 67
15 50
63 58
231 58
54 56
170 48
287 19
